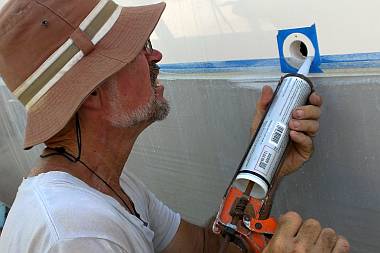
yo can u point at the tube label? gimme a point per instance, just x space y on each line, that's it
272 138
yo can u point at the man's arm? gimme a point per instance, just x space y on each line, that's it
191 238
84 245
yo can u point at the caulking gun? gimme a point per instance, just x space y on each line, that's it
243 216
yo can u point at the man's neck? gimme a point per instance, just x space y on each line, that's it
104 152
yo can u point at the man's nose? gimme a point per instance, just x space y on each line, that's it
155 56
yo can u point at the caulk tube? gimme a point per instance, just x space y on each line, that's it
271 139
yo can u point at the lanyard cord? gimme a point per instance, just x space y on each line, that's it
62 152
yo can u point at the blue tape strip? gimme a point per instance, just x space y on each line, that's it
218 66
2 214
346 61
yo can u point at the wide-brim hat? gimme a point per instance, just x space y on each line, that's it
54 53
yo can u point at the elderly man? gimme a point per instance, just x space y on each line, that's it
87 75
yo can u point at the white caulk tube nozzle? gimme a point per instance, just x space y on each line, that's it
305 68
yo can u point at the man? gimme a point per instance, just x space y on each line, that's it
87 75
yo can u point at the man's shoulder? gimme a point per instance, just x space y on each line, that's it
59 209
68 206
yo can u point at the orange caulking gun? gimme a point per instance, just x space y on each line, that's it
243 216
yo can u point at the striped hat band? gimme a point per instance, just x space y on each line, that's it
81 42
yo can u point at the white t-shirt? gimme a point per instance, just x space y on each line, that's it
55 212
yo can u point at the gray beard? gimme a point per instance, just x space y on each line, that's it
155 110
160 110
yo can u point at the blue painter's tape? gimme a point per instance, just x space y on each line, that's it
218 66
345 61
309 32
2 214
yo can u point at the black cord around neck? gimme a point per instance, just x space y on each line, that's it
62 152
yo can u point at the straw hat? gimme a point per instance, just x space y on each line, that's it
54 53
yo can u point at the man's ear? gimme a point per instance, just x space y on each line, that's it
92 101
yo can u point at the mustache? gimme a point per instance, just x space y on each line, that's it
154 71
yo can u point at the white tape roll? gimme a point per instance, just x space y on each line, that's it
292 49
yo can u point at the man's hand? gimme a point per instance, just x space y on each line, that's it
303 126
296 236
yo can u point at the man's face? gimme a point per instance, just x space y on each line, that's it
135 94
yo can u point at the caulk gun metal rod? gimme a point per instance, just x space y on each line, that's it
267 205
249 188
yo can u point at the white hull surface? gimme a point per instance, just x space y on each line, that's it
224 30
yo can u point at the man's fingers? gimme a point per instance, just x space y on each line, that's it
326 241
315 99
294 236
303 143
308 235
307 112
288 225
310 127
265 98
261 106
341 246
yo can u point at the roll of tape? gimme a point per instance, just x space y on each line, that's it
292 46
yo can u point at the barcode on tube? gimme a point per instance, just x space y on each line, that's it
277 133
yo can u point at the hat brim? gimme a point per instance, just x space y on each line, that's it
118 48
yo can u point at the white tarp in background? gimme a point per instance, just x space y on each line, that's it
188 159
14 161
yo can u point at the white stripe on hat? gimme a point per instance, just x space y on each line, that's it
107 26
92 14
54 80
42 68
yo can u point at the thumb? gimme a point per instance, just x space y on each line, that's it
261 106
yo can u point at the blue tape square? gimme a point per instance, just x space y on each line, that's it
309 32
